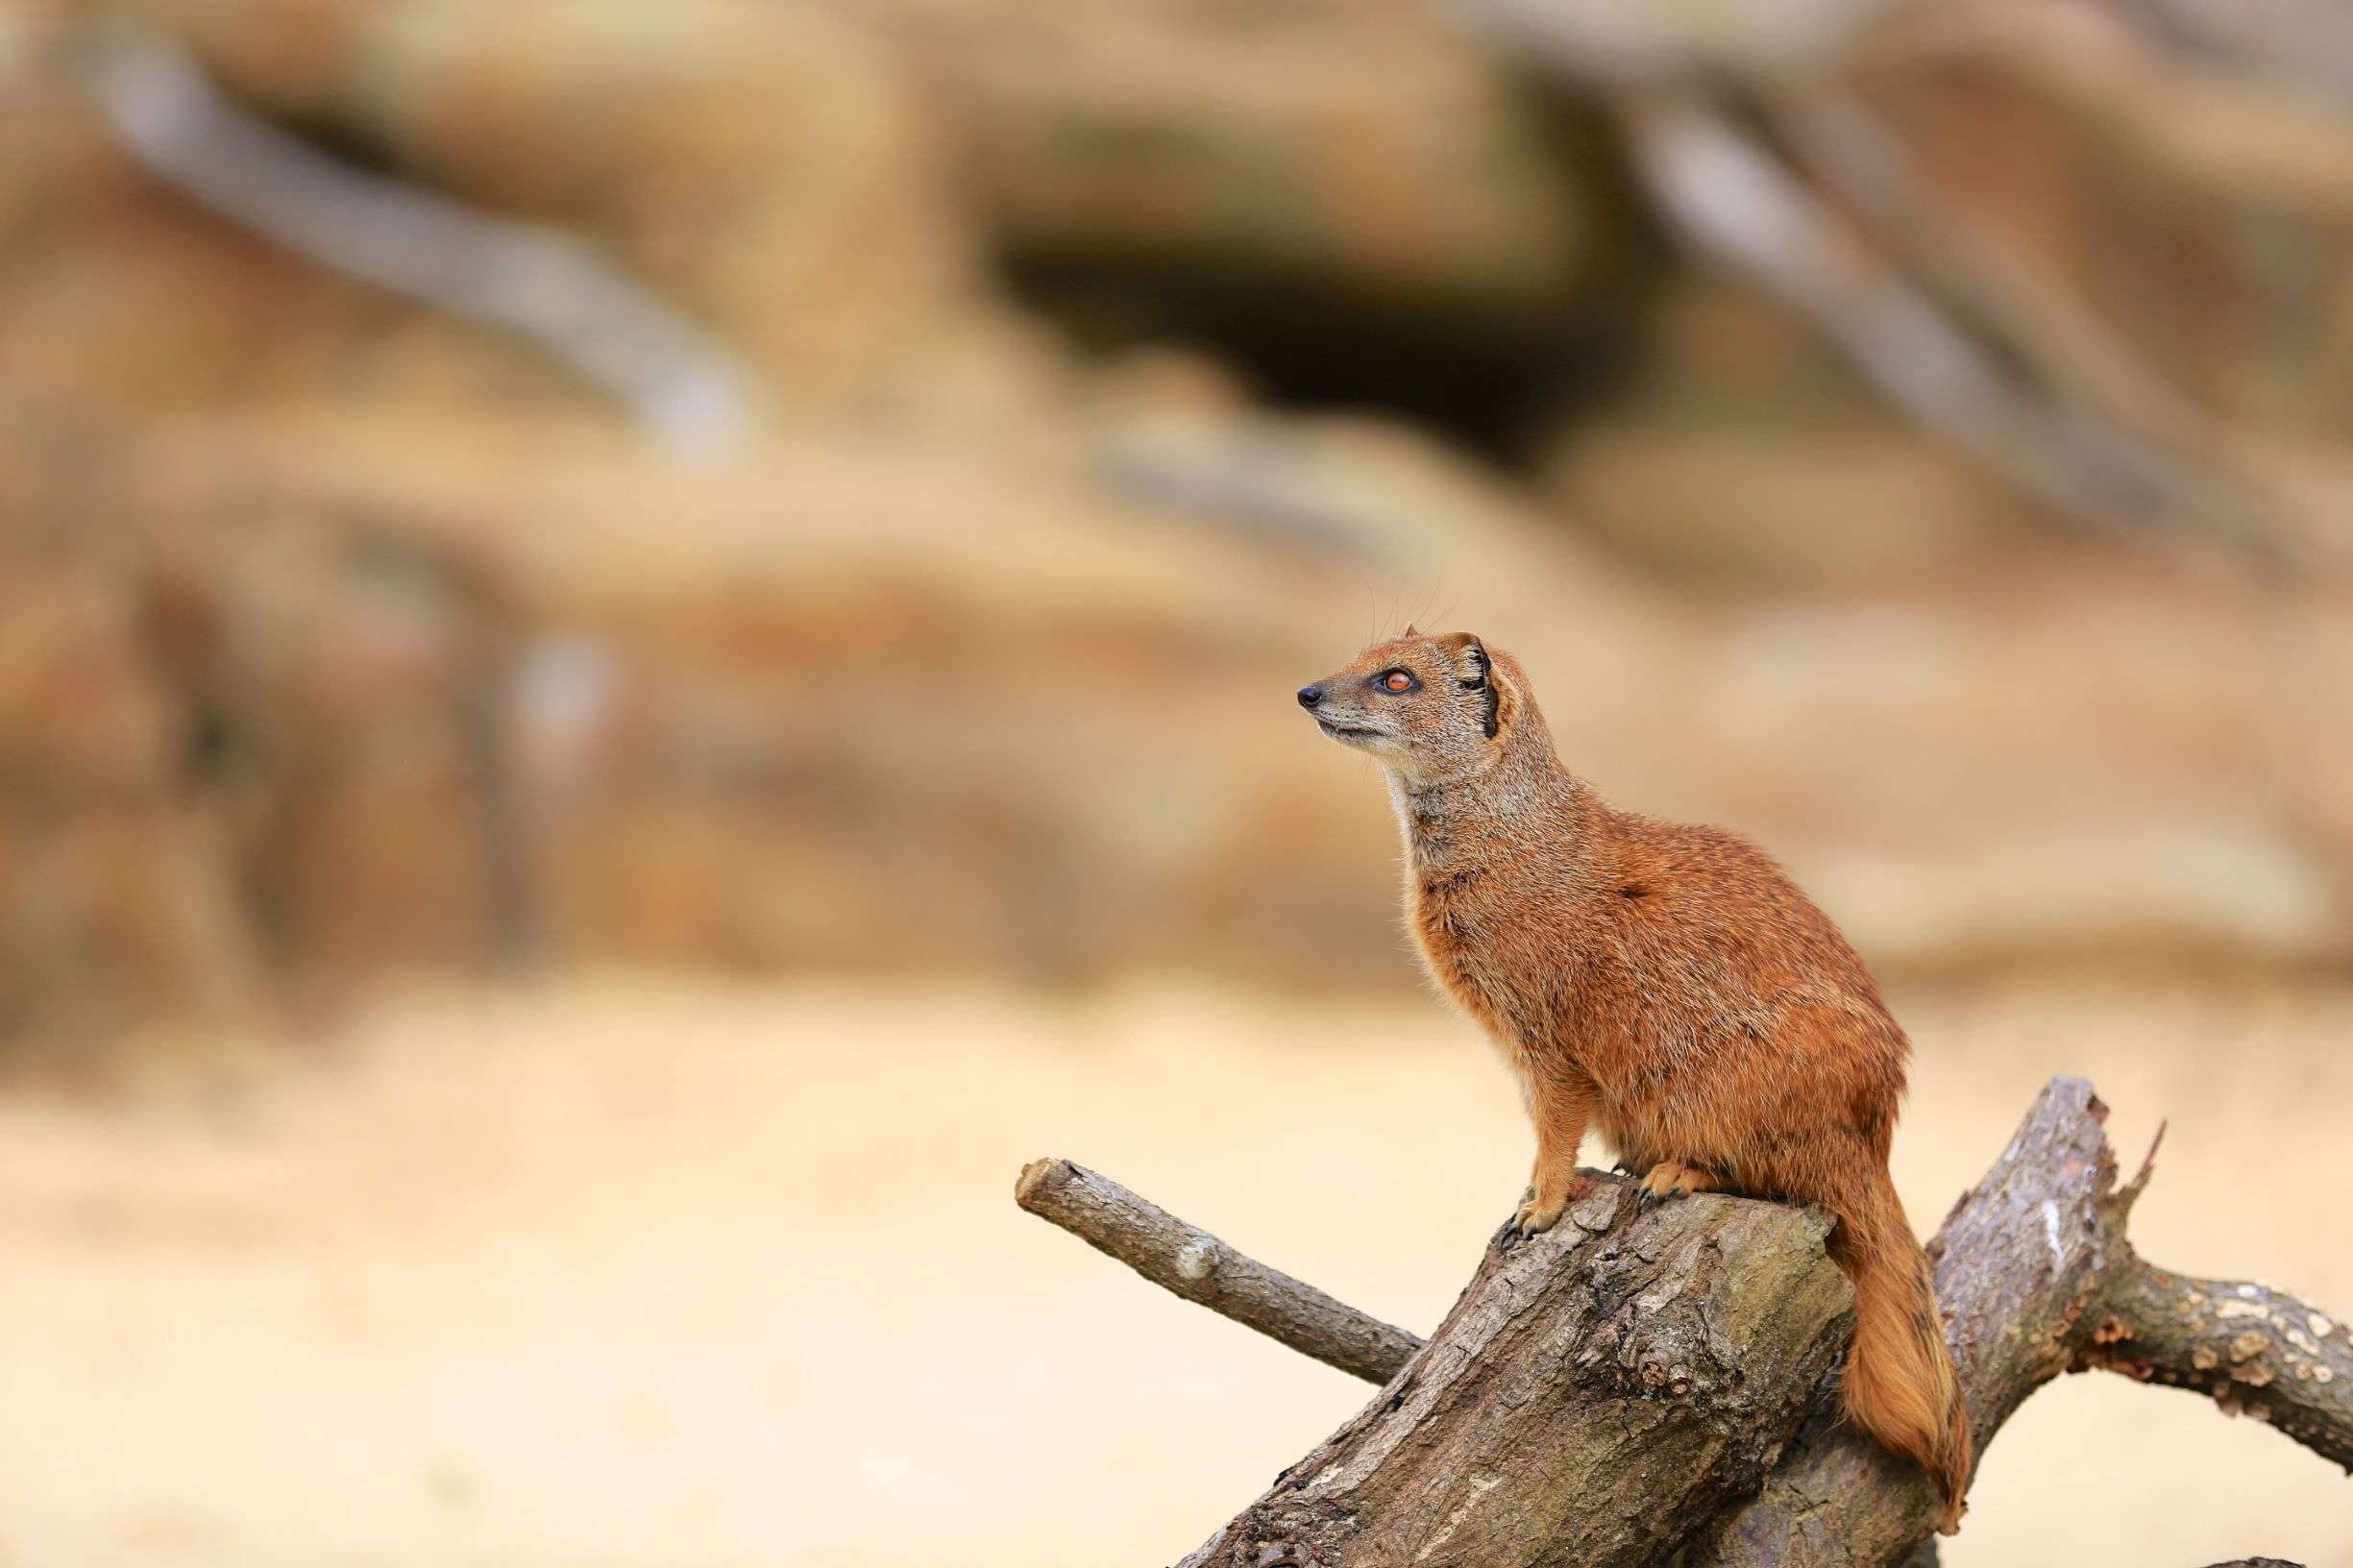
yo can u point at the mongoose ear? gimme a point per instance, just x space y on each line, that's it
1476 676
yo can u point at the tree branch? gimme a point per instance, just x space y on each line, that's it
1631 1383
2259 1352
1197 1265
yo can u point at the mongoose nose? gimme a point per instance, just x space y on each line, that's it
1309 695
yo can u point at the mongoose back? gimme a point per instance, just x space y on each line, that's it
1667 984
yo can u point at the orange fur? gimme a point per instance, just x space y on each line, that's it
1666 984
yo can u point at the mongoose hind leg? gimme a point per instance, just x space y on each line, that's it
1673 1179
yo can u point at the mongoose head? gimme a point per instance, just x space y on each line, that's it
1428 708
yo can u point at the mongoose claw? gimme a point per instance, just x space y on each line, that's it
1512 1231
1533 1219
1672 1179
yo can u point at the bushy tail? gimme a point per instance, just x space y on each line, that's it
1899 1385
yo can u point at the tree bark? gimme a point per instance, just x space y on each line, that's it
2259 1352
1591 1388
2019 1260
1636 1383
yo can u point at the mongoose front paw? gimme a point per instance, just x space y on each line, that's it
1533 1219
1541 1212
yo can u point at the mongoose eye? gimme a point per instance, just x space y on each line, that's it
1396 681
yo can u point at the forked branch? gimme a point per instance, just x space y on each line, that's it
1631 1383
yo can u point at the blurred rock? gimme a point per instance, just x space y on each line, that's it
1349 199
2193 195
1346 195
342 641
1744 452
1364 143
767 162
351 689
834 710
117 901
120 299
837 712
309 707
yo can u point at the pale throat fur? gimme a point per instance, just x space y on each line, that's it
1476 842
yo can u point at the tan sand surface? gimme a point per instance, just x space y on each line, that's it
618 1273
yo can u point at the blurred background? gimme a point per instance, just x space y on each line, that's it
642 646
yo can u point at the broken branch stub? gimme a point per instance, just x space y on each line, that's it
1194 1264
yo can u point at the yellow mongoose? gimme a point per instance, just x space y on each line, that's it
1666 984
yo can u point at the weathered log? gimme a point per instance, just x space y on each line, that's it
2020 1261
1591 1388
2036 1278
1632 1384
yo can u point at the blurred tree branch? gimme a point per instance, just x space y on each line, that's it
1965 336
1632 1384
522 277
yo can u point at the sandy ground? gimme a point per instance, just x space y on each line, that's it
625 1274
